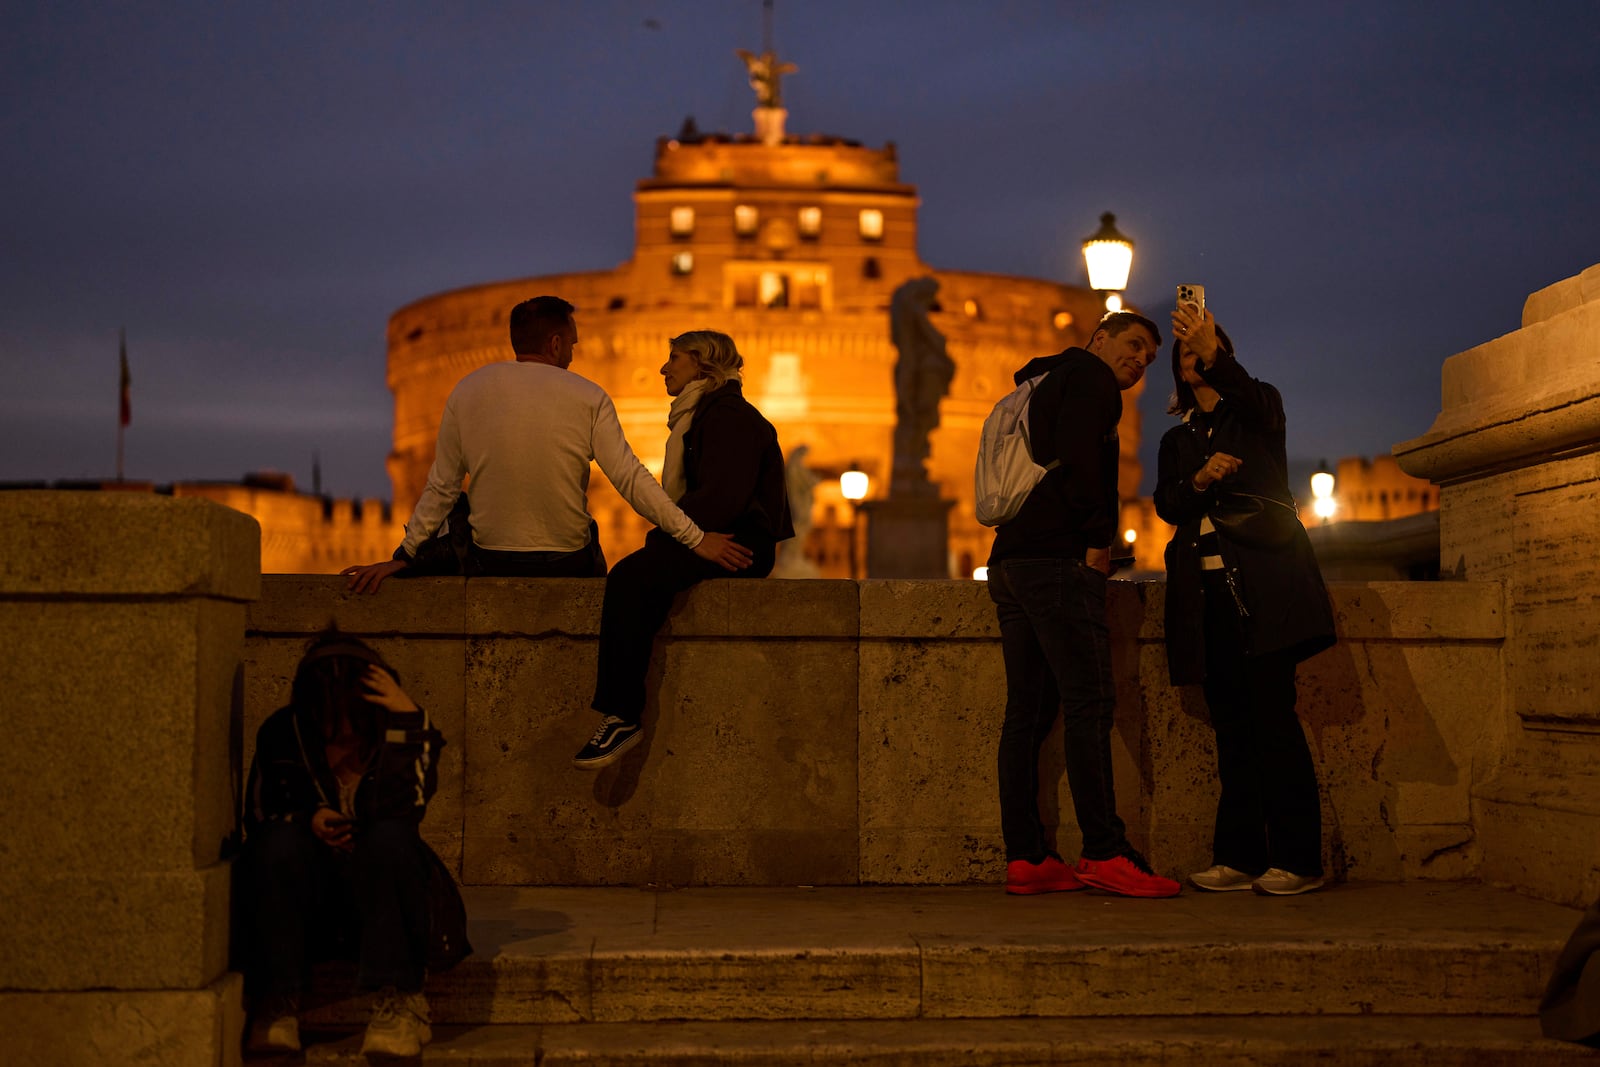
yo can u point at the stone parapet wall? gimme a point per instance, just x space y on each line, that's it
1516 452
835 732
123 618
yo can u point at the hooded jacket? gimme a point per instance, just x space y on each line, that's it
1072 417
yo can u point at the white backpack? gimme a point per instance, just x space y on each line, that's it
1006 472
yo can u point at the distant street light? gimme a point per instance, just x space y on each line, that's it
1323 505
853 485
1108 254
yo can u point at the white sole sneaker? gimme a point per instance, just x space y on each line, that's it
1220 878
1278 882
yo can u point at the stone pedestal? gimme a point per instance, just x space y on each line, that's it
908 537
122 617
1516 453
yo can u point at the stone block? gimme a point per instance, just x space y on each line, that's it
125 930
120 716
522 608
912 609
746 774
307 604
78 544
201 1027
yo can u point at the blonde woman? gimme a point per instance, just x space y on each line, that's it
724 468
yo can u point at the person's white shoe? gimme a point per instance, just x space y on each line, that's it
276 1026
1278 882
399 1025
1220 878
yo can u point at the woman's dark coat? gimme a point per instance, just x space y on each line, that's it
733 470
1281 588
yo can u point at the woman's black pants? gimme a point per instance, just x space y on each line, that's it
639 595
1270 812
309 903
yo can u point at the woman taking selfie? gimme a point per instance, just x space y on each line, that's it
1245 604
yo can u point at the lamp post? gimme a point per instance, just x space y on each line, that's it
1323 504
1108 253
853 485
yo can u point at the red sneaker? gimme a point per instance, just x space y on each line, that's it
1049 875
1125 876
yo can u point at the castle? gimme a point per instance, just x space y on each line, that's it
792 245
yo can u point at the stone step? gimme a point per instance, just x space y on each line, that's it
1195 1041
586 955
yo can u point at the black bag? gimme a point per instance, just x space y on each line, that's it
1255 521
447 917
449 551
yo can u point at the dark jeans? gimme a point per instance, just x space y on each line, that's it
311 903
639 594
1058 660
1270 813
586 562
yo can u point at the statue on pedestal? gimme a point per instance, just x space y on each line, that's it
922 377
765 74
801 483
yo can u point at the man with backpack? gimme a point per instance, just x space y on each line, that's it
1047 578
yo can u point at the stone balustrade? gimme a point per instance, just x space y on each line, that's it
836 732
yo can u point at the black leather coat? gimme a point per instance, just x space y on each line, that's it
1281 588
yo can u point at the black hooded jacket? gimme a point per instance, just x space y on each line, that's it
733 470
1072 417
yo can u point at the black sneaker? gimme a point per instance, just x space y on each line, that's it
614 737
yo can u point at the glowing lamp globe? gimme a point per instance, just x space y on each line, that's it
1108 255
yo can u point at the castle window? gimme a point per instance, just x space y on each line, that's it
682 221
745 219
682 262
810 221
617 303
871 223
971 309
772 290
870 268
1062 320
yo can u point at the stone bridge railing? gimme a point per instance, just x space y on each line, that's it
836 732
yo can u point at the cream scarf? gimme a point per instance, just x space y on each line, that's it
673 479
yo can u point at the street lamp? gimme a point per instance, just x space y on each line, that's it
1323 505
1108 254
853 485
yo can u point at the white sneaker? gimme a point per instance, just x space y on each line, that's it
399 1025
1278 882
1220 878
276 1026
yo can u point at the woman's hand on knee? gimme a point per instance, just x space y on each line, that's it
724 551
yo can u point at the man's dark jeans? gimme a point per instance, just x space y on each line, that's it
310 903
1058 659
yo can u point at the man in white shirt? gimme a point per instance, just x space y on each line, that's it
525 432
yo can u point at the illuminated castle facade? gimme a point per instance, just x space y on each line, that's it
794 246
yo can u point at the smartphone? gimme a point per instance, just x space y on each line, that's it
1194 295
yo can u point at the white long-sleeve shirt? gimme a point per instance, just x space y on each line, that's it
526 433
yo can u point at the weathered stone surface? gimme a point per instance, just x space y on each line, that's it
121 930
202 1027
800 755
746 775
101 699
306 604
77 543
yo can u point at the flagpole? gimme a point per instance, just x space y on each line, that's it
123 407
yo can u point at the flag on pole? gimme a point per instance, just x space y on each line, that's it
127 398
